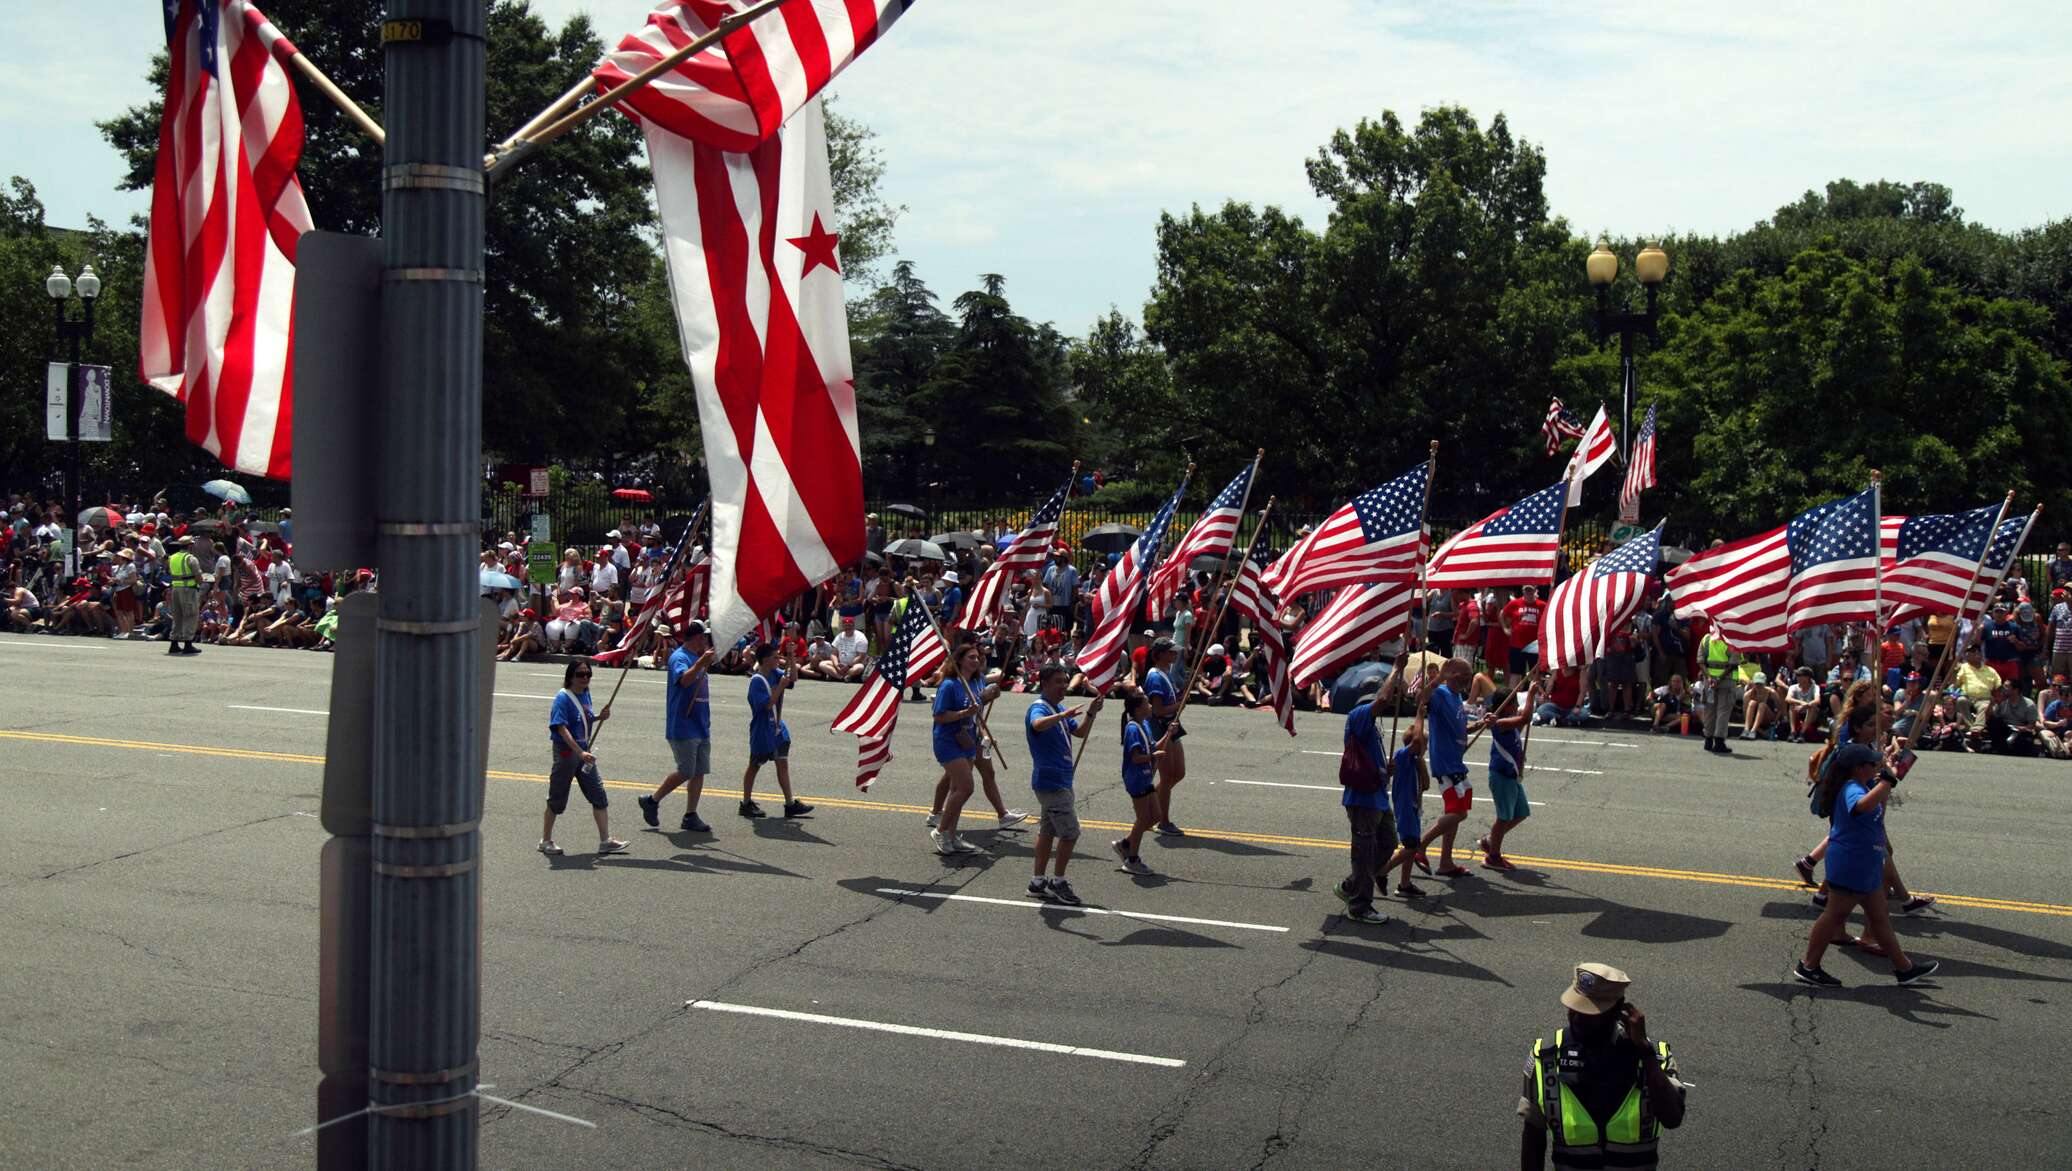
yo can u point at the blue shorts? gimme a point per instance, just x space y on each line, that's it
1140 788
953 752
1509 795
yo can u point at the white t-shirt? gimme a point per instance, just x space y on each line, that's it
604 577
850 646
280 581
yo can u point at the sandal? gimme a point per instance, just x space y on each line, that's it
1423 861
1455 872
1497 862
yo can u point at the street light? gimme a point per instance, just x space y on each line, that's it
928 443
1651 268
61 287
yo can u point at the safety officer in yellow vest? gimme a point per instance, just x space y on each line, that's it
1602 1093
1716 663
183 598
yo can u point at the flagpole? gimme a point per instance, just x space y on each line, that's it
1222 609
1423 564
1965 605
505 158
1201 643
1942 658
951 664
626 664
1071 488
1143 580
285 51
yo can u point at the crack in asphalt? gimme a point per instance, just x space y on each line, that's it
142 850
72 1048
1317 1078
655 1112
1804 1083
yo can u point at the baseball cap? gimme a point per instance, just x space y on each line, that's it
1852 756
1596 989
694 626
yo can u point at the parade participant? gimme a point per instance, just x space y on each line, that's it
982 763
1602 1094
687 725
1446 731
570 727
1165 702
1408 782
183 598
1050 728
1139 779
768 738
1717 661
1366 800
1506 773
955 739
1854 788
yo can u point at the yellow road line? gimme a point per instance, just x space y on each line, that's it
1576 864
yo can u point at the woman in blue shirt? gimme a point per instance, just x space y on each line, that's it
1140 756
1852 794
956 746
1165 706
570 726
768 738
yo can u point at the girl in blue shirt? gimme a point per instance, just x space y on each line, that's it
1165 708
1853 794
956 746
1140 756
768 738
570 725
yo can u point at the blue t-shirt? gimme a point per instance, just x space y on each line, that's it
1999 640
1159 686
953 696
690 708
1403 781
1061 582
1360 726
765 730
1050 752
1501 742
1446 726
1856 841
573 714
1136 737
950 599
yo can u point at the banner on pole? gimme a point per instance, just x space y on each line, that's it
96 404
54 400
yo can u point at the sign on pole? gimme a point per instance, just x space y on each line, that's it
96 404
1625 531
539 563
538 484
54 400
542 529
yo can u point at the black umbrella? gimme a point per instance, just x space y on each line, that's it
1211 563
873 558
915 550
263 526
912 510
1111 538
955 540
1355 683
210 526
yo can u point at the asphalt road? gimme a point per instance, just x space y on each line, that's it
158 950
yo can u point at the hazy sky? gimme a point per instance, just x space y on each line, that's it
1041 138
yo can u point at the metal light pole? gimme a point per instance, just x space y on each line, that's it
928 447
60 288
1651 267
424 1011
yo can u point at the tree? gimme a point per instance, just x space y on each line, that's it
1120 380
996 400
856 167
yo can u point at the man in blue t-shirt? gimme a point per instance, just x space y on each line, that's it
1050 727
687 724
1363 810
1446 730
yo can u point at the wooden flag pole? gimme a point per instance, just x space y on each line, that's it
1423 564
690 531
1201 643
541 136
350 108
1222 609
1143 579
951 664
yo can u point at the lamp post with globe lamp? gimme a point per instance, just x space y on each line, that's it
1651 267
61 287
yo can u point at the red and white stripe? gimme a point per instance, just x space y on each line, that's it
765 332
1347 630
1741 587
1598 445
226 214
1250 598
1029 550
1582 613
1211 535
737 93
1640 467
873 712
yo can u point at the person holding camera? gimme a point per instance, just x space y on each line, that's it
1852 792
1602 1094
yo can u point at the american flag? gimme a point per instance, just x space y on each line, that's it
757 287
1250 598
736 94
1834 562
1359 619
1741 587
1640 466
2007 542
671 602
1561 423
1101 655
1584 610
1029 549
1378 536
226 215
1929 560
1511 546
1597 446
915 652
1211 535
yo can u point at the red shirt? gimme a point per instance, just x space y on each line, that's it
1524 614
1567 689
1137 658
1466 618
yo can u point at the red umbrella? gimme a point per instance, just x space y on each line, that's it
638 495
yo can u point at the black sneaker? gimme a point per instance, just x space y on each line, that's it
1039 888
751 809
1820 900
650 810
1816 977
172 648
796 809
1917 972
1061 891
692 823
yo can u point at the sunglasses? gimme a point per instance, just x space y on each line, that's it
582 674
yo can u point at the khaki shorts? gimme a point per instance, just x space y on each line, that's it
1058 815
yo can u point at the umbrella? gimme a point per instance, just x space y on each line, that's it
209 526
100 518
914 550
870 558
638 495
955 540
1111 538
1005 539
912 510
1356 683
493 580
1211 563
263 526
227 490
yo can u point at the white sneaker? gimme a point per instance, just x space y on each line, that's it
932 819
1748 735
1121 846
548 847
1012 818
942 842
959 846
611 846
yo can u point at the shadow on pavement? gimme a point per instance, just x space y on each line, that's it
1399 957
2033 946
787 830
1908 1004
1618 921
700 862
1219 845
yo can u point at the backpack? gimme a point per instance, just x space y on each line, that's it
1356 770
